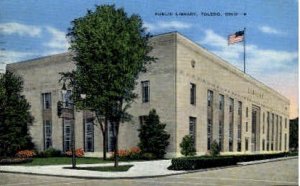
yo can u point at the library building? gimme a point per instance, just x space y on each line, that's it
193 91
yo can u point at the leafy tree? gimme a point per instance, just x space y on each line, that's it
215 148
110 50
187 146
294 134
153 137
14 116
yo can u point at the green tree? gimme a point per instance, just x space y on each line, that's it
187 146
15 116
215 148
294 134
110 50
153 137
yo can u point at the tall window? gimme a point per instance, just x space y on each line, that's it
143 119
285 123
268 131
221 135
67 99
246 126
231 102
209 118
280 133
46 100
221 102
272 132
145 91
221 121
88 135
263 144
209 98
246 144
209 133
285 142
111 139
193 94
67 134
263 127
276 133
246 112
239 140
47 134
192 129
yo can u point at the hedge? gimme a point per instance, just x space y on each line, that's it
10 161
191 163
200 162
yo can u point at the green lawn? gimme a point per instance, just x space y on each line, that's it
63 161
120 168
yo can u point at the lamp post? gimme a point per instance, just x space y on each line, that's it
63 107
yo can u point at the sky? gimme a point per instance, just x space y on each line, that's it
36 28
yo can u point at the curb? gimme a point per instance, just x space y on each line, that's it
266 161
152 176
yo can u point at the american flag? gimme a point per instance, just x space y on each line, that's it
236 37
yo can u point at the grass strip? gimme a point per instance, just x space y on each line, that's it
120 168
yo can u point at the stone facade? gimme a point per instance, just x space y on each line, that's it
228 106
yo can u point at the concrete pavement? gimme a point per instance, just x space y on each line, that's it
144 169
279 173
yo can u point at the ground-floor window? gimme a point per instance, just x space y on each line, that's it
67 134
246 144
192 129
110 138
263 144
89 135
209 134
221 135
285 142
47 134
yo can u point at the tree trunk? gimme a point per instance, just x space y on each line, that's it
116 144
104 135
104 132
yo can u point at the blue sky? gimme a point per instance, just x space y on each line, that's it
35 28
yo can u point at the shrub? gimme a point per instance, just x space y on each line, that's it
191 163
78 153
50 152
215 149
131 154
153 137
148 156
25 154
135 153
187 146
9 161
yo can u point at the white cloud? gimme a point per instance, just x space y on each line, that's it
58 42
257 58
20 29
276 68
270 30
15 56
164 26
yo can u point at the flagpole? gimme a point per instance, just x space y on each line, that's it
244 50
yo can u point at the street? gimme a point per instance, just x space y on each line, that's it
283 172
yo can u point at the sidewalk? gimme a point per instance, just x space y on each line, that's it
145 169
139 170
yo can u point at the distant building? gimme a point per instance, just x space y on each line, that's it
194 92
